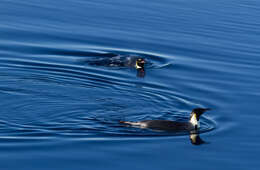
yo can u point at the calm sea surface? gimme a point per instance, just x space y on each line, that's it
59 111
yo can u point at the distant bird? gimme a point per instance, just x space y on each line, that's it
139 65
114 60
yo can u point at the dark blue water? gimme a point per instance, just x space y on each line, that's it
58 111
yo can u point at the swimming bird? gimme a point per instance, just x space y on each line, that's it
139 63
168 125
117 60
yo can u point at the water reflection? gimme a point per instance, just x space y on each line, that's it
140 73
195 139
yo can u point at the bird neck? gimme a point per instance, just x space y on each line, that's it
194 121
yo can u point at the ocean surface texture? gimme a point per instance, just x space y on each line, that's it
65 84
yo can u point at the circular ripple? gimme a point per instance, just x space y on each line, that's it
64 97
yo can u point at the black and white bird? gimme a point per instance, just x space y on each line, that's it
168 125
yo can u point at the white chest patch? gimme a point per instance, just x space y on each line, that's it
194 121
137 67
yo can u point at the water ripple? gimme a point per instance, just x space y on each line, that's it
64 97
